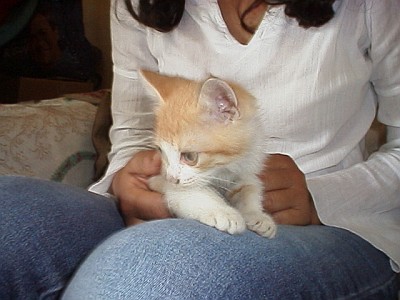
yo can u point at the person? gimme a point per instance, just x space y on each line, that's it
52 56
44 50
320 70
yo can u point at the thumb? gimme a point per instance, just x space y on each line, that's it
145 163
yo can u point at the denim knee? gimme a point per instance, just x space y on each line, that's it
180 259
46 229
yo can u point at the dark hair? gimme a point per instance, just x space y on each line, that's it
309 13
164 15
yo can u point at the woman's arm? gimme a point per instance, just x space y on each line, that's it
132 109
365 198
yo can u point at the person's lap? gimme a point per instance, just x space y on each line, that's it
181 259
46 229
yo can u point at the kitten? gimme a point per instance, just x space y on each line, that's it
210 142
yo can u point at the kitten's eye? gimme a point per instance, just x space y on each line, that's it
190 158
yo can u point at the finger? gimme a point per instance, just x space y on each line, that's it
145 163
291 217
278 161
123 181
276 179
130 221
146 205
277 200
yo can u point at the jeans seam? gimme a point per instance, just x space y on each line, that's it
372 290
49 294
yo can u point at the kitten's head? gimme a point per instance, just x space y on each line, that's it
200 127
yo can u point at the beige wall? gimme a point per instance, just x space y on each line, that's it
96 18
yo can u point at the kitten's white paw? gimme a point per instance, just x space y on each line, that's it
227 219
262 224
156 183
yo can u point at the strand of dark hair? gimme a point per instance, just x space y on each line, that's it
309 13
164 15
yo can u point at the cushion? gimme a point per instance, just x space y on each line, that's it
101 126
50 139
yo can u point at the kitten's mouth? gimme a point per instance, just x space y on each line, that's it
180 183
191 181
174 181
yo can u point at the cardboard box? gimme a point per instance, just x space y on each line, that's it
14 90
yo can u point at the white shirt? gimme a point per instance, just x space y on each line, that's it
318 88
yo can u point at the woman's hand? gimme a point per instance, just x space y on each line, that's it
136 201
286 196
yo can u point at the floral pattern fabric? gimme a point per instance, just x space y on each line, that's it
37 139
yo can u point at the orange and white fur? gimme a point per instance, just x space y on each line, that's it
210 142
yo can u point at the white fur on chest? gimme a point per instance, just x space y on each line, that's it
229 201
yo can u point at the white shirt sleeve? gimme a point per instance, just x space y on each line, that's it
365 198
132 108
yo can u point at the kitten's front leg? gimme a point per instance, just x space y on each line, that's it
206 206
247 199
157 183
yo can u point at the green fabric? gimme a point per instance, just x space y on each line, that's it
71 162
17 21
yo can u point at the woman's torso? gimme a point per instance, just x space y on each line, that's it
312 85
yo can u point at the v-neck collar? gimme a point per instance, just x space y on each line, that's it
259 33
220 17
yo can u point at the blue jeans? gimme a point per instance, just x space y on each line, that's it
180 259
48 229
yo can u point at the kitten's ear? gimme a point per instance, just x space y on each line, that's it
219 99
161 84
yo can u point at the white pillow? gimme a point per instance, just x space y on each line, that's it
50 139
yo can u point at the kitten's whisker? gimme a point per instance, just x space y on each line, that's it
224 188
214 181
222 180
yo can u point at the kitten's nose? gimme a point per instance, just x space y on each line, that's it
173 179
